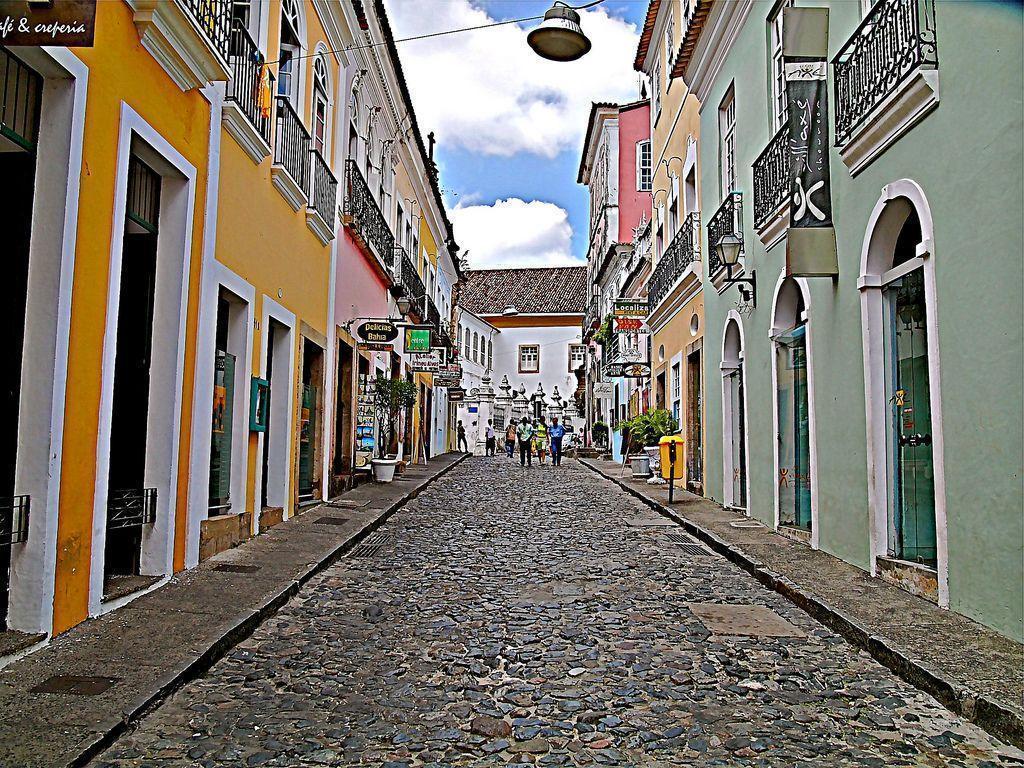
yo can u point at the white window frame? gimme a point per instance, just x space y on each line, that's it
727 142
577 354
669 35
644 166
656 89
776 69
525 354
321 99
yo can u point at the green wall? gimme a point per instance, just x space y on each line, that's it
967 156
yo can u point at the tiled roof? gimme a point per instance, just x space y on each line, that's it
645 35
697 16
531 291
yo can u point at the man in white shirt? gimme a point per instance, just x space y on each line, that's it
491 442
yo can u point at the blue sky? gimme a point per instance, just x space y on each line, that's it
509 124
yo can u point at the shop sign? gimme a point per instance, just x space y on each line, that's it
375 347
628 370
452 369
30 22
377 331
630 308
425 362
603 389
418 339
443 380
629 324
456 395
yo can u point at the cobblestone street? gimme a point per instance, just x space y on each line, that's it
544 616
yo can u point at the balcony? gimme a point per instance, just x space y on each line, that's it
886 79
592 317
727 219
364 219
433 316
13 520
290 171
681 252
771 188
247 103
409 283
323 197
190 39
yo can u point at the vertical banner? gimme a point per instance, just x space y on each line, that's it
811 238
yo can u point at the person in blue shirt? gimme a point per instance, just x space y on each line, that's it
555 434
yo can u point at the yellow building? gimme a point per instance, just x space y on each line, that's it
674 292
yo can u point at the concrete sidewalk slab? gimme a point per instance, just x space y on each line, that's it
972 670
163 639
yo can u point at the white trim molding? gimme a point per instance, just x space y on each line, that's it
907 105
241 129
883 228
175 40
728 367
318 226
721 29
288 187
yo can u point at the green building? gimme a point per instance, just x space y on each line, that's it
876 414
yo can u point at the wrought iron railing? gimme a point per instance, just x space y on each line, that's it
324 192
433 316
292 144
894 39
131 508
681 252
728 219
14 520
21 91
214 18
771 178
364 217
592 317
409 280
247 88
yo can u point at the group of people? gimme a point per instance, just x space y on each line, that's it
532 437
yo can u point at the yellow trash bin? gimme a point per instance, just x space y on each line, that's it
673 449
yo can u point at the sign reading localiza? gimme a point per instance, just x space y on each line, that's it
811 238
630 308
377 332
62 22
627 370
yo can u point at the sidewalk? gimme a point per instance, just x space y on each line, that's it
970 669
127 661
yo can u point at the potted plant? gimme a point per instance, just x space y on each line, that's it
644 431
391 396
600 434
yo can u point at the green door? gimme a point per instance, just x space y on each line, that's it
220 438
307 441
794 429
911 464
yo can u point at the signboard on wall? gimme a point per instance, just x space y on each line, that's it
425 362
418 339
66 22
630 308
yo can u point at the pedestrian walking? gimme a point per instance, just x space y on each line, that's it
510 440
462 445
524 434
556 432
490 439
540 439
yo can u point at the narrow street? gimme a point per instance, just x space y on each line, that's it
544 616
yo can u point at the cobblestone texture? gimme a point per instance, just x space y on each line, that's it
522 617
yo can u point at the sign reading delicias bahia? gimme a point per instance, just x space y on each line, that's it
62 22
377 331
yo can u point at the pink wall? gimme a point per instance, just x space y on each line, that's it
634 126
357 284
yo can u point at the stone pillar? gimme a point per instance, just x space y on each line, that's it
485 412
503 404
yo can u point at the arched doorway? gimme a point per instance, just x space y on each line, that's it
901 364
734 418
794 479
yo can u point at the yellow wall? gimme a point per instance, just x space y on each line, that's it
182 118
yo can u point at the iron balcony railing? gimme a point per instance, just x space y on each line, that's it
771 178
246 88
14 520
592 317
324 194
409 281
292 144
214 18
433 316
131 508
21 91
681 252
364 217
728 219
894 39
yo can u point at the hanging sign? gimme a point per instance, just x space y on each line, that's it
425 362
30 22
629 325
630 308
418 338
377 331
449 382
370 346
456 395
811 238
627 370
604 389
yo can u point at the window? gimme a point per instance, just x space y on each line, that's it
776 67
291 47
490 354
476 347
353 129
643 165
577 356
669 34
677 388
529 358
727 142
656 89
465 345
673 206
320 108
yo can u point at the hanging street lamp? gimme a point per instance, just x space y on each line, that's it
559 37
729 247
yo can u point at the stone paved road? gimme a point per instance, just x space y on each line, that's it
522 617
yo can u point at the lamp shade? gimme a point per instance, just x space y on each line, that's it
729 246
404 305
559 37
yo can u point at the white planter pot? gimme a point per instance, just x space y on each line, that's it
384 470
654 454
641 465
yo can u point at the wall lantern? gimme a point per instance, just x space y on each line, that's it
729 247
559 36
404 305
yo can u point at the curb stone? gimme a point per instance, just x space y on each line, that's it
177 679
991 716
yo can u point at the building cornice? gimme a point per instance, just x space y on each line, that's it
711 47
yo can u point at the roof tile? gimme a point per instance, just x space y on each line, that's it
536 290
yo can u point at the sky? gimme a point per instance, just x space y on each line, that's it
510 125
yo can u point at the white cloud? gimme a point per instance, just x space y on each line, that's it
515 233
487 92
